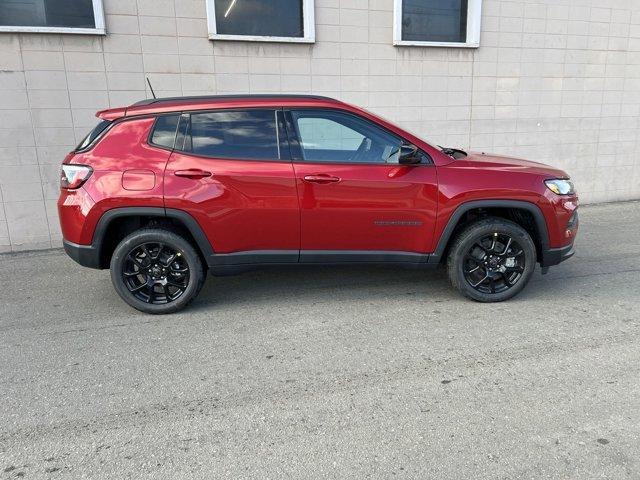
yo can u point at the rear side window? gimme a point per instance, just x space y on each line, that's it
164 131
93 134
241 134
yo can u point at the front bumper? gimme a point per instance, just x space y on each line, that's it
569 221
554 256
85 255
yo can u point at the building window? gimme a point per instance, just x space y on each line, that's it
52 16
437 23
261 20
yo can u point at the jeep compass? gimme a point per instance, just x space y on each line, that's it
164 190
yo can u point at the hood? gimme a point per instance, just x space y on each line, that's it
485 161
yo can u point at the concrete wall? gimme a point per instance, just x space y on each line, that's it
553 80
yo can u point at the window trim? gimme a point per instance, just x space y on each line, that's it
297 155
474 17
308 25
98 15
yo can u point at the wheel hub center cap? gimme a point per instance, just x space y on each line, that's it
156 271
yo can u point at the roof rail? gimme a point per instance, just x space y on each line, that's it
214 98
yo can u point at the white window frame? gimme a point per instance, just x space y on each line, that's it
474 17
98 15
308 24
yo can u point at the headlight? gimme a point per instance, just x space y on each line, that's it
560 187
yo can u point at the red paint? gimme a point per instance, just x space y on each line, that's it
481 177
369 207
124 147
138 180
243 205
271 205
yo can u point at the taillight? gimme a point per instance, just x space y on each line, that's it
73 176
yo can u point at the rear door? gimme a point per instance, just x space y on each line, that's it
357 202
231 170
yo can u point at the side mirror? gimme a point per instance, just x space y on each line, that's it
409 155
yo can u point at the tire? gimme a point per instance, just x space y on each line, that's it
483 251
153 279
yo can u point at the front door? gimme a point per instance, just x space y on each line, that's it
357 202
233 174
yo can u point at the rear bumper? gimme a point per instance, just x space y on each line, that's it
85 255
554 256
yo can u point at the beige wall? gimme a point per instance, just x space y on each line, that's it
555 80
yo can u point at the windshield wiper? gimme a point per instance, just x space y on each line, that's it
453 151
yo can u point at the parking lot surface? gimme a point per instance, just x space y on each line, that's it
328 372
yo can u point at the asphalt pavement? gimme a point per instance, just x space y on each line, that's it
351 372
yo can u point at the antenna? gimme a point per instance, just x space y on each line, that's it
151 88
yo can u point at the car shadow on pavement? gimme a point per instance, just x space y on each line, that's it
353 283
322 284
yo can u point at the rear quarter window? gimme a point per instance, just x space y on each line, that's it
93 135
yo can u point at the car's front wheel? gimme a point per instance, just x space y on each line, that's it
491 260
156 271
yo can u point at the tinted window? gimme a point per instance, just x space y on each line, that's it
164 131
47 13
93 134
249 134
273 18
327 136
434 20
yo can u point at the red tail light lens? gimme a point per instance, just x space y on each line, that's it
73 176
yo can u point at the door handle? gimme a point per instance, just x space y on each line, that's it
321 178
192 173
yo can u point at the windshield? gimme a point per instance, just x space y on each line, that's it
93 134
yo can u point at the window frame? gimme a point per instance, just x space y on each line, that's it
474 19
98 16
297 155
308 26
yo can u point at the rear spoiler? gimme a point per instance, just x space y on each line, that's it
112 114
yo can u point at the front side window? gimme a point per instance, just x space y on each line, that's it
261 20
329 136
238 134
449 23
51 16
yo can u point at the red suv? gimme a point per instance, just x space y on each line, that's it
165 189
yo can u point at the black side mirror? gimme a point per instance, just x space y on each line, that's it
409 155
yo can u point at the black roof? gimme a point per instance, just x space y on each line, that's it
221 98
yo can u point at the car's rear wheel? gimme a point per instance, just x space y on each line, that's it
156 271
491 260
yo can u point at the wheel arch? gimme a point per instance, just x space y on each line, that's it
456 220
116 223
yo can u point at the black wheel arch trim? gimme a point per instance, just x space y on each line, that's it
90 255
538 216
109 216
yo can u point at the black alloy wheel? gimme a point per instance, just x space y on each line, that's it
491 260
155 273
494 263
